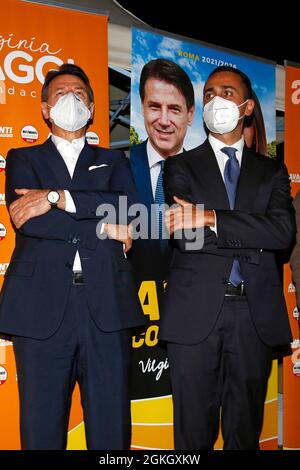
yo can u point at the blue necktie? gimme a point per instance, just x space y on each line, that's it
231 178
160 200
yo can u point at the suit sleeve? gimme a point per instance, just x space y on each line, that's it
239 230
56 224
121 185
176 183
273 230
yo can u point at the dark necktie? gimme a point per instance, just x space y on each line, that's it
159 199
231 178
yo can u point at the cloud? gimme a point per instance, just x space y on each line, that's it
260 89
137 121
198 90
194 137
269 114
137 65
142 40
168 48
186 64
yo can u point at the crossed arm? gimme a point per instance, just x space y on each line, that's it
273 230
31 212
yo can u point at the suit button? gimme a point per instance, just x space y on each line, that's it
75 240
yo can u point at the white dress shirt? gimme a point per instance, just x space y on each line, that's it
154 159
70 152
222 158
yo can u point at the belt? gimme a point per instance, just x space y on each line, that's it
232 290
78 278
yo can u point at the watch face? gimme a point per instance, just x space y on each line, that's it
53 197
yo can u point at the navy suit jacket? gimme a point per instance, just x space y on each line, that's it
146 256
261 223
39 276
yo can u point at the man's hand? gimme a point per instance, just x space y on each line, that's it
121 233
32 204
187 216
296 356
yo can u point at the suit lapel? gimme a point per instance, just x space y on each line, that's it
209 176
58 174
141 173
252 172
57 170
87 158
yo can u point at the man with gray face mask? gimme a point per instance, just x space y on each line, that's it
224 308
69 298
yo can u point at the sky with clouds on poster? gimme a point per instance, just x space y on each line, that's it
198 60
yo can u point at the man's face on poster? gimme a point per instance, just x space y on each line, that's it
166 116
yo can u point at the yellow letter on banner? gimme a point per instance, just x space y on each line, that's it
148 299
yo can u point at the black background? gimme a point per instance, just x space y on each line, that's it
260 28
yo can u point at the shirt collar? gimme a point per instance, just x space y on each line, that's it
153 155
217 144
77 144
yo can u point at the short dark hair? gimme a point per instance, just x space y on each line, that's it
169 72
245 79
67 69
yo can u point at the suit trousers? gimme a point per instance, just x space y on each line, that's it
48 370
227 373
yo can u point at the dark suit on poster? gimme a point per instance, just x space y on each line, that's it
38 288
261 223
153 261
150 263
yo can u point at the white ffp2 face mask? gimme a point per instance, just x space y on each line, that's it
221 115
70 113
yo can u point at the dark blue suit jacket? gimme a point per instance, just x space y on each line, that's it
261 223
146 255
38 279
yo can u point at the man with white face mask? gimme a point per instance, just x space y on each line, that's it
224 310
69 298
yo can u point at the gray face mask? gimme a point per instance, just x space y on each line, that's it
70 113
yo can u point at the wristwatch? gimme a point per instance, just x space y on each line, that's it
53 197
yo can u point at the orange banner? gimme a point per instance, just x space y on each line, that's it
34 39
291 382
